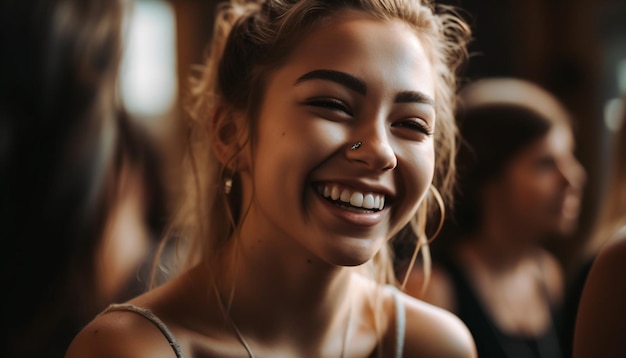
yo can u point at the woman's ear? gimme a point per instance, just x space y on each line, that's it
230 137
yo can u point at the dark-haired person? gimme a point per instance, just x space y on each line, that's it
64 146
519 183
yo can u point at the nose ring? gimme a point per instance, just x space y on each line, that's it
356 146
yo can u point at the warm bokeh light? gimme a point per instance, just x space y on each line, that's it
148 77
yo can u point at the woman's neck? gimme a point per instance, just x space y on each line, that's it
500 249
272 280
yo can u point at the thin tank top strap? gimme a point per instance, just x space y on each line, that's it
400 322
152 318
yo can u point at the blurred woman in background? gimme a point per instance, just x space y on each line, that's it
518 183
63 146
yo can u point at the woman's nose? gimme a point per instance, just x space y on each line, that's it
574 174
372 149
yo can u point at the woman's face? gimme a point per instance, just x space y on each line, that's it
353 79
542 187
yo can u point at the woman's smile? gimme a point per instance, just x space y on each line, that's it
355 206
351 198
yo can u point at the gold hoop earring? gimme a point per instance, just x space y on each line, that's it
442 210
423 242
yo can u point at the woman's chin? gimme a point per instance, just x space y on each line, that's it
352 257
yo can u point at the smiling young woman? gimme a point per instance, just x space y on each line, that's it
318 129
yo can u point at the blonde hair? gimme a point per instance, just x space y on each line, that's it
253 38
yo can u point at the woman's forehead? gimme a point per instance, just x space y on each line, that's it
375 50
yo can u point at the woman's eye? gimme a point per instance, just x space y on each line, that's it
332 104
414 125
546 163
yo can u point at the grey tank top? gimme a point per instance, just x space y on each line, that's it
400 323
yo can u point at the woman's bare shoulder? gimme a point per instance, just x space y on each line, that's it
127 331
434 332
120 334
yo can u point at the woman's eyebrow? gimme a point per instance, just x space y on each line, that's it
342 78
359 86
414 97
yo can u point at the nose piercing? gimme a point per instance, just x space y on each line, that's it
356 146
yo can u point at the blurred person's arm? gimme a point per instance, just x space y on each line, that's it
601 322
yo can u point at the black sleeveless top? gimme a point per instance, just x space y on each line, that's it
490 340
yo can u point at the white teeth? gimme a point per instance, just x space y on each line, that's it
345 196
368 201
354 198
